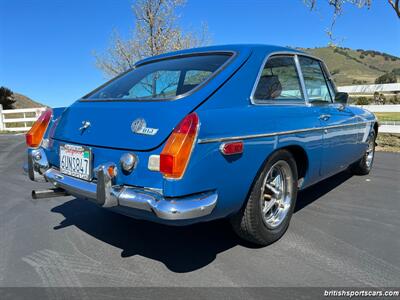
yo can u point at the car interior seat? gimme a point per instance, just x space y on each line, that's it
269 87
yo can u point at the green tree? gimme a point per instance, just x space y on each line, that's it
6 98
395 99
386 78
362 101
396 71
156 31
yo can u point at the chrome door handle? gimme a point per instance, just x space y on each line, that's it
324 117
341 107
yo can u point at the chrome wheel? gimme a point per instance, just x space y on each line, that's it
369 154
276 194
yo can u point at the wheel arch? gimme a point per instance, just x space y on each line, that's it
299 154
301 158
376 126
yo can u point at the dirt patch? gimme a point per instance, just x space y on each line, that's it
388 142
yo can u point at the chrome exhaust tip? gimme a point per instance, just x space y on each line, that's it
49 193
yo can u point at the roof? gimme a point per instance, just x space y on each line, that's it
222 48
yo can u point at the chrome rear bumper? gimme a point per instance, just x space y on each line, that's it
108 195
36 165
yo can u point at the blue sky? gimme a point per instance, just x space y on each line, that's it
46 46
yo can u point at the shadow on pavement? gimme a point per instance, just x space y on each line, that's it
181 249
313 193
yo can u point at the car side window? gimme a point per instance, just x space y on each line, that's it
279 80
314 80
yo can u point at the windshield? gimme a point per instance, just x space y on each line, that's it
163 79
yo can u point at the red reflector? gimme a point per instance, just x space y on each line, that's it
232 148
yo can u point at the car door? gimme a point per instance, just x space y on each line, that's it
338 122
280 96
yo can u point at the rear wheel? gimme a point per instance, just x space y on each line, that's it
364 165
269 208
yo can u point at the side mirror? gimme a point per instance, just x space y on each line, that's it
341 98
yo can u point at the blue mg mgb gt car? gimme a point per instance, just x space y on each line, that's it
201 134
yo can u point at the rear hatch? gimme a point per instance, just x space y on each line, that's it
111 118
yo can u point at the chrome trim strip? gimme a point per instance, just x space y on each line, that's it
263 135
301 78
167 56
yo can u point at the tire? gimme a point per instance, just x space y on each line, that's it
364 165
255 222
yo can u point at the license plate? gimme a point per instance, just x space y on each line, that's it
76 161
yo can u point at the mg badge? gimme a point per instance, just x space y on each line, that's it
85 125
139 126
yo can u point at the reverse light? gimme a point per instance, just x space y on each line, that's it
35 134
176 153
154 163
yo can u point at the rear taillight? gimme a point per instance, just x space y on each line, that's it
176 153
35 134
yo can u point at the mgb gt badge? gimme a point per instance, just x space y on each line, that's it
139 126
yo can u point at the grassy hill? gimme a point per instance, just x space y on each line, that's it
23 101
349 66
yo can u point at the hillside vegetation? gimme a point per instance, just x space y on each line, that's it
349 67
23 101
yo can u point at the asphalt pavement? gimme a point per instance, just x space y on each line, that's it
345 232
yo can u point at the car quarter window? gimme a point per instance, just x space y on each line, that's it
279 80
314 80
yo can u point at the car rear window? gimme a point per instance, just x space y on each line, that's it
163 79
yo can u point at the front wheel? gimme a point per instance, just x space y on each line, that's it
269 208
364 165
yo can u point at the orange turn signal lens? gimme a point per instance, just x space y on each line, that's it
176 153
112 171
35 134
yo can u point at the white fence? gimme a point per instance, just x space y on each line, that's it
8 123
18 120
385 126
389 128
381 108
370 88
